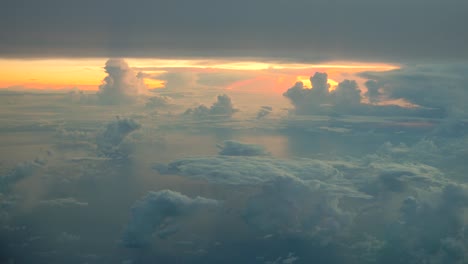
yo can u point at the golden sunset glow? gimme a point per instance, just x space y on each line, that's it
54 74
87 74
306 81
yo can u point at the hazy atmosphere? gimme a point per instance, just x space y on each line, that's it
271 132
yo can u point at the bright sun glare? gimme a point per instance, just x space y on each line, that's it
306 81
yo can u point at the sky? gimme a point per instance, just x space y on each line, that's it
64 44
212 131
87 74
358 30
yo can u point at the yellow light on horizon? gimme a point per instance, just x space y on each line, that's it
307 84
89 73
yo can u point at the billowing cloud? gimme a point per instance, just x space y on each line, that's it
347 94
347 99
154 212
415 230
320 83
121 85
286 206
109 142
301 99
306 197
242 170
296 197
343 189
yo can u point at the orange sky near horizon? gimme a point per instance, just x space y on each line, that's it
87 74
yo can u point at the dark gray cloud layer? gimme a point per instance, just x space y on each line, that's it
309 30
433 86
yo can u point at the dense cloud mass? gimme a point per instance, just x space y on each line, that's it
442 87
151 214
305 198
121 85
347 99
245 170
399 30
343 177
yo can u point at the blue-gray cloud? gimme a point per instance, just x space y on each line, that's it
109 141
20 172
302 29
149 214
347 98
439 86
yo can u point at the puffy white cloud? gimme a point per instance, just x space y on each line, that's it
121 85
151 214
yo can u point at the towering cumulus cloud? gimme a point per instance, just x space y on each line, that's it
121 85
310 100
151 214
346 98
